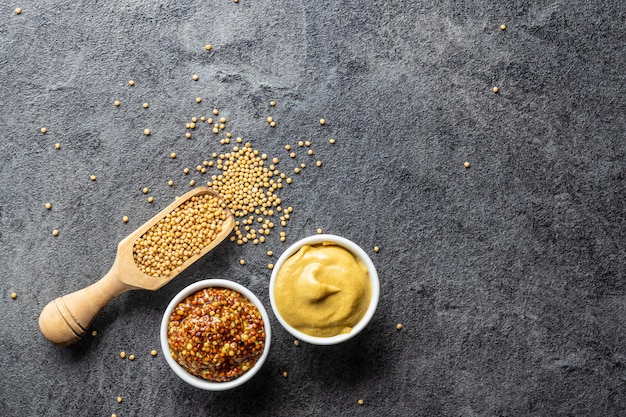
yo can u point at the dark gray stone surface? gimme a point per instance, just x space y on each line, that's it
509 277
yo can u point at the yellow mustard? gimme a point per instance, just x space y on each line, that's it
322 290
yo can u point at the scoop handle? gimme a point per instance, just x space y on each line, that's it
64 320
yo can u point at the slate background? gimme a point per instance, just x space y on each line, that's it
509 277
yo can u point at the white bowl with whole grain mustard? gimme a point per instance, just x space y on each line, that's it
324 289
215 334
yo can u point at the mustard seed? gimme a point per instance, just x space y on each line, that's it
94 333
170 183
399 326
319 231
146 132
296 342
186 171
117 103
55 232
502 27
57 145
13 295
125 219
146 105
48 206
270 266
198 99
270 253
272 124
44 130
215 112
131 357
146 190
188 135
18 11
92 177
150 199
376 249
466 164
122 354
331 141
131 83
275 160
300 143
310 152
153 352
192 183
360 402
119 399
173 155
208 47
272 103
195 77
270 119
495 90
322 121
285 374
318 163
242 261
287 147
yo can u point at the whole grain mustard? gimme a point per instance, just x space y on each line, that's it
322 290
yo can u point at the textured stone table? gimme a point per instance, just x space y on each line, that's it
508 276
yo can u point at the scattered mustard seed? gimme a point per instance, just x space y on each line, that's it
131 83
319 231
57 145
146 132
287 147
195 77
150 199
125 219
198 99
131 357
272 103
503 27
270 253
285 374
146 190
270 119
300 143
173 155
242 261
48 206
318 163
146 105
270 266
466 164
310 152
170 183
360 401
331 141
215 112
13 295
495 90
322 121
55 232
296 342
272 124
188 135
208 47
153 352
119 399
92 177
399 326
376 249
192 183
44 130
94 333
117 103
18 10
122 354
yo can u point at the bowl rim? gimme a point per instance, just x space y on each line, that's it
357 251
197 381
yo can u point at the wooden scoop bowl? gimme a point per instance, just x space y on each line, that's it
64 320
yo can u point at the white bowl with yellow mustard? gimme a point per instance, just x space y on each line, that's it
324 289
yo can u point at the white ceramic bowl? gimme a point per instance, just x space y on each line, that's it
356 251
197 381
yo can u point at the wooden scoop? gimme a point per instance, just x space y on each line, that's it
64 320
